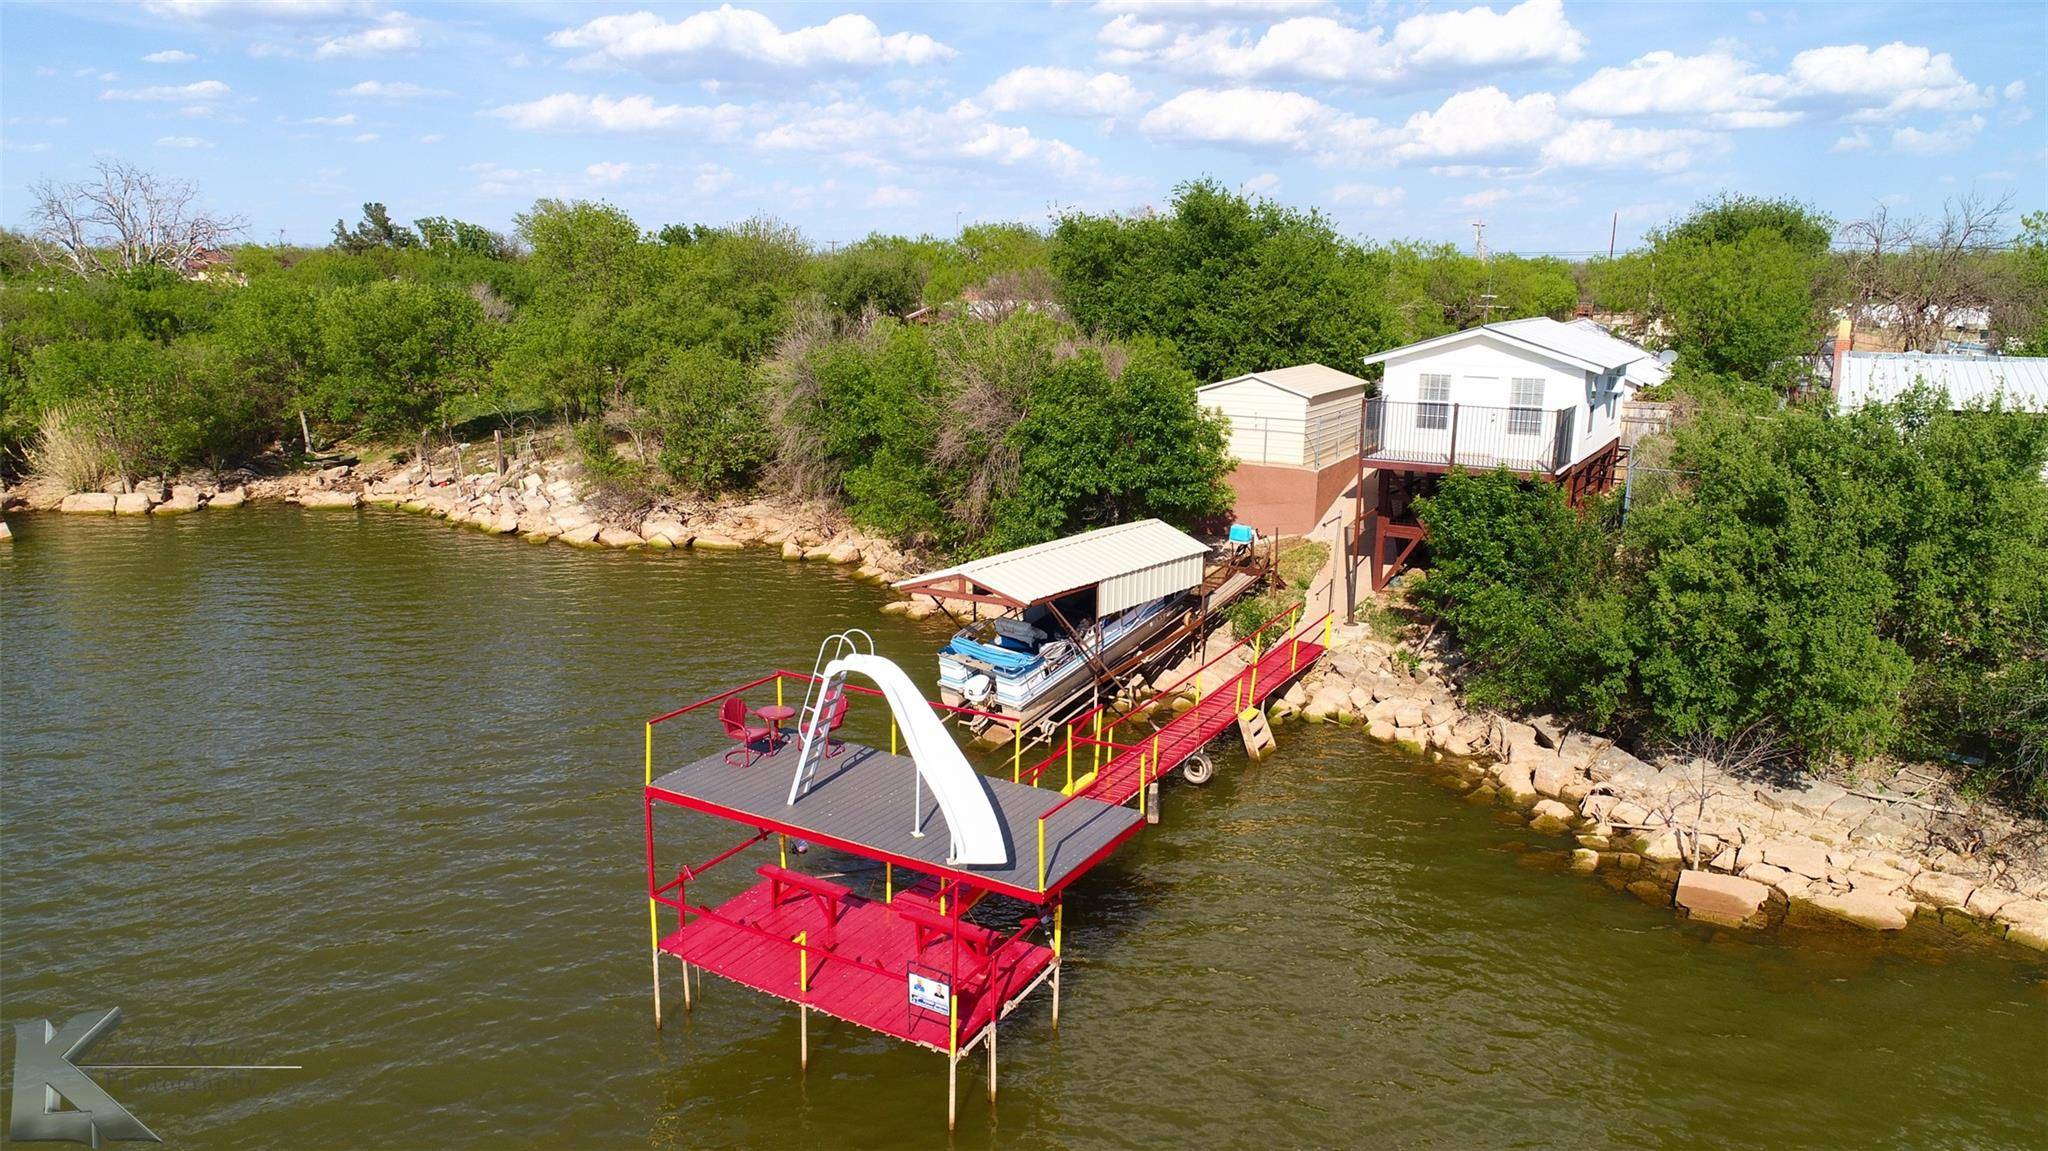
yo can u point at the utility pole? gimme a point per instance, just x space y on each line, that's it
1479 239
1487 304
1612 226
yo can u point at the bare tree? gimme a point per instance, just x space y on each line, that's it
1919 273
123 218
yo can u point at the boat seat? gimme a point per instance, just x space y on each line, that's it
831 895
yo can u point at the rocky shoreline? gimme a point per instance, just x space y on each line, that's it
1717 846
1712 843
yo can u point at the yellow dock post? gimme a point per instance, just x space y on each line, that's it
1070 758
654 949
803 1011
650 754
1096 759
1041 861
1058 909
1293 641
778 691
888 882
1017 753
892 734
782 848
1329 621
1141 783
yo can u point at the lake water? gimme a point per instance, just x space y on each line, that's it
362 793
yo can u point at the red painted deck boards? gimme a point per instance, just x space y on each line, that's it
1185 734
843 981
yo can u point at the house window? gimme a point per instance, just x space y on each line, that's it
1433 414
1525 407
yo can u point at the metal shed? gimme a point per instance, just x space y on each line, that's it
1128 564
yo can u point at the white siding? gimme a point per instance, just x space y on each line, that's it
1482 372
1270 425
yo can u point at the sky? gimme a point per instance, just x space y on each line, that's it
1549 121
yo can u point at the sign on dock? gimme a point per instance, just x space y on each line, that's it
930 994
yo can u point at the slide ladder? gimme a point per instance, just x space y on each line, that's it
825 690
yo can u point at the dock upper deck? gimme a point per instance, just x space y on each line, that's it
860 802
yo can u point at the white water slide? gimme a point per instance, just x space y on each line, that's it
977 835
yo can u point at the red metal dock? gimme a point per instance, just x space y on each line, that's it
905 960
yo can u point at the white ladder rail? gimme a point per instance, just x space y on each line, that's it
821 692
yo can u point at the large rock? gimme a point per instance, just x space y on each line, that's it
619 538
664 527
713 542
233 497
1808 860
504 523
6 533
843 554
316 498
1812 799
582 536
1515 782
2026 922
132 504
1551 775
1729 900
1882 912
184 498
1618 767
1551 817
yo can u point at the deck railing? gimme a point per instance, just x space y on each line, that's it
1475 436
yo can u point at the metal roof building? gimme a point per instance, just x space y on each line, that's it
1128 564
1581 342
1880 377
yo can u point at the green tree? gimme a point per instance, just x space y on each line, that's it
1741 284
374 230
392 354
708 415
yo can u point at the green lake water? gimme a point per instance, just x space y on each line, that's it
362 793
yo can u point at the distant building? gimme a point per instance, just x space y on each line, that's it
1294 434
1857 378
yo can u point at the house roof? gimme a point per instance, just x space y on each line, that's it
1581 342
1309 381
1134 562
1878 377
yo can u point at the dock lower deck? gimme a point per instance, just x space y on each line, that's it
855 961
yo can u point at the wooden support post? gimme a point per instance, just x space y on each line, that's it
952 1091
304 432
686 986
498 442
992 1060
426 461
1152 795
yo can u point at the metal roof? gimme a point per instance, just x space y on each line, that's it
1879 377
1582 342
1131 562
1309 381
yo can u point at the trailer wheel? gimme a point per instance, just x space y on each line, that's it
1199 768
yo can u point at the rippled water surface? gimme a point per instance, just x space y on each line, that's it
362 793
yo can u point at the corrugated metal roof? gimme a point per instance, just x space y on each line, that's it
1581 341
1131 562
1310 381
1879 377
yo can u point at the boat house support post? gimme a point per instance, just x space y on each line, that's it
992 1060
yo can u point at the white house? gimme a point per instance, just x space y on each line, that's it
1535 395
1294 433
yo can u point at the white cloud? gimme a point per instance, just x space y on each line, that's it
1954 136
859 135
738 39
199 90
1531 33
1064 91
396 90
1263 184
363 138
340 121
1246 118
1478 122
1485 199
614 171
1371 195
169 56
711 179
36 146
242 13
893 196
432 138
1667 84
1599 144
1323 48
1857 140
2017 90
575 112
1904 77
391 36
182 142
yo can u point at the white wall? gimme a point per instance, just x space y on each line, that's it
1481 370
1270 425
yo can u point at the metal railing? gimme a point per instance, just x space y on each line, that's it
1476 436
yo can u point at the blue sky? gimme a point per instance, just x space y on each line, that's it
1543 118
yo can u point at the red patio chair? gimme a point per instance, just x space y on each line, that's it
733 714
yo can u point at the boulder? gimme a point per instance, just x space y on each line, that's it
1728 900
1618 767
1551 817
1515 782
184 498
568 517
328 499
843 554
1408 713
1766 874
792 550
1868 908
132 504
504 523
1585 860
1813 799
663 525
1549 731
1663 847
233 497
582 536
1380 730
713 542
1808 860
619 538
2026 922
1551 775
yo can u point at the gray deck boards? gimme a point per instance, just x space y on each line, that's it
862 797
